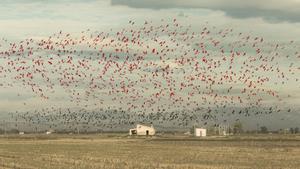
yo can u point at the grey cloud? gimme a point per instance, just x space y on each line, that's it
269 10
42 1
268 15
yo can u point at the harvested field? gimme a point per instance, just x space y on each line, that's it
119 151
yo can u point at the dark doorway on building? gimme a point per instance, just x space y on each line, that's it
147 132
133 132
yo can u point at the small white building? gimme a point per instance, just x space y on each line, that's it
21 133
50 132
142 130
199 132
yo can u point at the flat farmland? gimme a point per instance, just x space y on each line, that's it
118 151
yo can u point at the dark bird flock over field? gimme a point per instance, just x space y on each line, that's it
163 73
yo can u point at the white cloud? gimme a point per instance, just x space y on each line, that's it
271 10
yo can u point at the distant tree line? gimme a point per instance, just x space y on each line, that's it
236 128
294 130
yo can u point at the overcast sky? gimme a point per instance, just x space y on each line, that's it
26 18
276 20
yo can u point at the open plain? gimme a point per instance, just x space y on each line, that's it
112 151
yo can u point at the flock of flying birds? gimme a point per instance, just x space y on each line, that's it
150 72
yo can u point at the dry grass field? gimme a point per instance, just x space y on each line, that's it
121 152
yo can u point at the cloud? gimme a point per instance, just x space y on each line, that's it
269 10
42 1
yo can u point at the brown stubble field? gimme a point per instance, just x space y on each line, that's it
118 151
